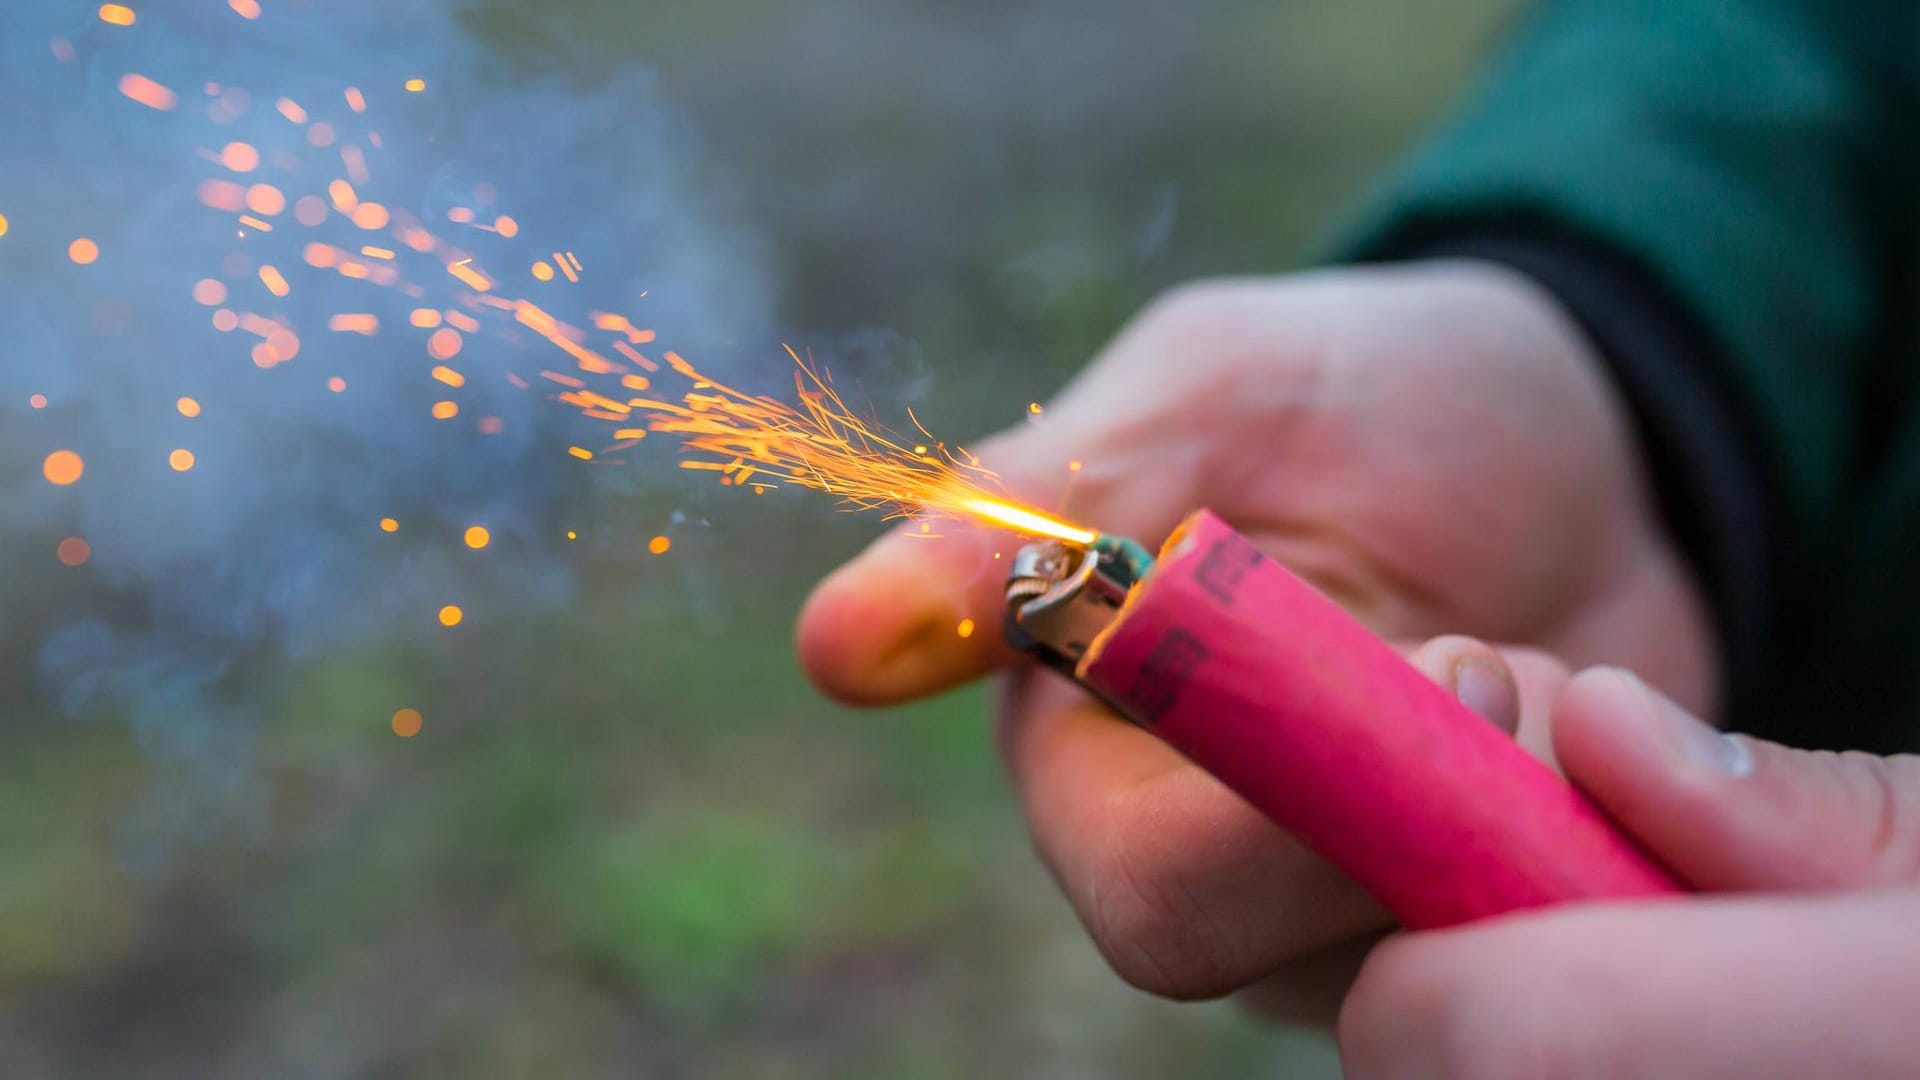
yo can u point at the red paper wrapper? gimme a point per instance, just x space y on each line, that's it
1268 685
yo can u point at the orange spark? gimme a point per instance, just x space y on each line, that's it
291 110
965 628
147 92
543 271
83 251
414 86
356 100
363 324
389 525
580 452
449 376
180 460
225 321
240 157
445 410
117 15
188 407
344 198
337 384
407 723
63 468
506 226
73 551
425 318
266 199
246 9
275 282
660 545
444 344
371 216
372 252
451 616
38 401
3 225
209 292
468 276
478 537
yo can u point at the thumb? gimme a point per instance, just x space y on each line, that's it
1728 812
916 614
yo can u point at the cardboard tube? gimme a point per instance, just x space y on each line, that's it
1265 683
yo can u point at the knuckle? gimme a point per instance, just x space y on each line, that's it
1151 930
1887 791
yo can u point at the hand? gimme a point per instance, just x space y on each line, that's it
1432 444
1814 973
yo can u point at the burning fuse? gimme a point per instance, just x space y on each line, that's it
1260 680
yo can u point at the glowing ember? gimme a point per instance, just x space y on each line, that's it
444 344
371 216
389 525
117 15
147 92
449 376
1035 409
291 110
181 460
451 616
63 467
266 199
275 282
407 723
965 628
543 271
660 545
83 252
425 318
210 292
73 551
414 86
4 225
478 538
246 9
366 325
188 407
356 100
240 157
445 410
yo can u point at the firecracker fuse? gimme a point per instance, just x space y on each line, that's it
1260 680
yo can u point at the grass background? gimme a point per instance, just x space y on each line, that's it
630 842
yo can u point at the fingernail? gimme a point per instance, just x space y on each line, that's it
1486 690
1686 735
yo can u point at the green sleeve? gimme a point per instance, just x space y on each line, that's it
1748 155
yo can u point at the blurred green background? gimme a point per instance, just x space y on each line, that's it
629 841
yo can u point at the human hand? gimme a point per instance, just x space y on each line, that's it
1814 971
1432 444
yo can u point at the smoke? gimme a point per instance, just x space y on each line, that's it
203 584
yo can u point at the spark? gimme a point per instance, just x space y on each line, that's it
1035 408
542 271
445 410
965 629
73 551
445 374
275 282
660 545
117 15
38 401
414 86
337 384
425 318
188 407
451 616
210 292
147 92
63 468
181 460
389 525
478 537
364 324
246 9
356 100
407 723
83 252
291 110
4 225
240 157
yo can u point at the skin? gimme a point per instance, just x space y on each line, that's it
1434 445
